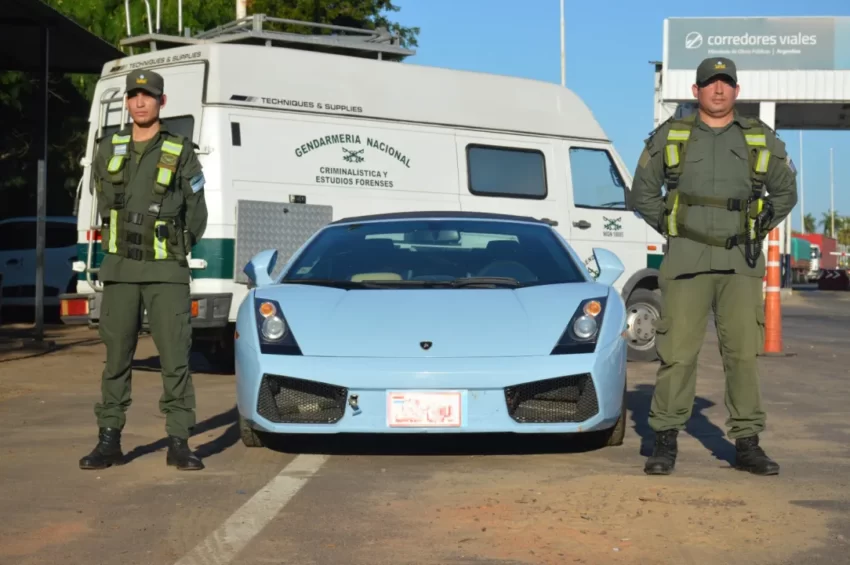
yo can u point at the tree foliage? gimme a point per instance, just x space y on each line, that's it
70 96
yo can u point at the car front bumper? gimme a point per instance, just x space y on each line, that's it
327 395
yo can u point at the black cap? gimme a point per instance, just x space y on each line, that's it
716 66
148 81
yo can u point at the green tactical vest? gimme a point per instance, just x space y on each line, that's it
677 203
138 236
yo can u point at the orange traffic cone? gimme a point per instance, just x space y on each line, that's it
773 300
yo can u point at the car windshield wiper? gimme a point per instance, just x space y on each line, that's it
486 281
327 282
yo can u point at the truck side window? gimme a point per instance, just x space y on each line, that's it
596 181
506 171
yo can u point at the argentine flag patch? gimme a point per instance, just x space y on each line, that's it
197 182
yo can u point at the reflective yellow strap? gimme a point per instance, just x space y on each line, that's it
757 140
163 176
671 155
113 231
171 147
678 135
115 163
120 139
762 161
751 223
672 230
159 249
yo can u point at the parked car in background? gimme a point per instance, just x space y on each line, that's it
18 260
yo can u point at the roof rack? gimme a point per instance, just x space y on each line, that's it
259 29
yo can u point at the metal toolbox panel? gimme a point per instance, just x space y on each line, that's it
274 225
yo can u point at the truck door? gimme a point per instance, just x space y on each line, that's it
599 213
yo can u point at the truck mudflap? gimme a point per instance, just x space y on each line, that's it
208 310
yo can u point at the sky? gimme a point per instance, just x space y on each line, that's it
522 38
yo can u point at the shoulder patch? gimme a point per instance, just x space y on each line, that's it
790 164
197 182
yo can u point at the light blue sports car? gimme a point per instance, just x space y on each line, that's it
432 322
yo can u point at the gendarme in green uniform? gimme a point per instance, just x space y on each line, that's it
727 187
151 199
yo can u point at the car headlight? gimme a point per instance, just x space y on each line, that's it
272 327
583 330
274 333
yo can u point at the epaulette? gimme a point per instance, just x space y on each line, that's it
756 121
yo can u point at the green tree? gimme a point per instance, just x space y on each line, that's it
810 224
826 223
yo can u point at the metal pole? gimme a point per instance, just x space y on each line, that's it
41 198
802 206
563 50
831 196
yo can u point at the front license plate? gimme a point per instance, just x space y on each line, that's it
424 409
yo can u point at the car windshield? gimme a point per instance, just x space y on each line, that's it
435 253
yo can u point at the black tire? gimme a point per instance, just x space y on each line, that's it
614 436
250 436
643 308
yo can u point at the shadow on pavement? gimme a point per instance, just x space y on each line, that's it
218 445
699 426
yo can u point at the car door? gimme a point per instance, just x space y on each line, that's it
599 211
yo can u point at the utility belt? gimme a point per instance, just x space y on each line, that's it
143 237
754 213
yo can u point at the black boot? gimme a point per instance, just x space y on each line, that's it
181 456
663 458
752 458
106 453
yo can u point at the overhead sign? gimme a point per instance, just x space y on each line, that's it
760 44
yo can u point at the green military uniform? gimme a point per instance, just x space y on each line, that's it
710 261
151 199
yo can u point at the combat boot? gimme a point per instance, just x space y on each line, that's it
663 458
752 458
180 456
106 453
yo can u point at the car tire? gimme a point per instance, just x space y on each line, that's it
250 436
617 434
643 308
613 436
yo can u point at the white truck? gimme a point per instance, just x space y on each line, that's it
294 131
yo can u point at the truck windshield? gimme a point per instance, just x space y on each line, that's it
435 253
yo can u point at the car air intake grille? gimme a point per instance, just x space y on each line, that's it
287 400
562 399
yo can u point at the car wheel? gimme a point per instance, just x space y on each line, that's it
613 436
250 436
617 434
643 309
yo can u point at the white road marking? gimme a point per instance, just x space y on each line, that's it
221 546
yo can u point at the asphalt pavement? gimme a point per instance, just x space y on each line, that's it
427 499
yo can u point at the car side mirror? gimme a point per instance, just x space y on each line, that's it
610 266
260 267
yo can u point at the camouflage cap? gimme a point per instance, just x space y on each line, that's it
716 66
148 81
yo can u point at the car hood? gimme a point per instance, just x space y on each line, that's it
468 322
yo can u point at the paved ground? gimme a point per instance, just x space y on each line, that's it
427 500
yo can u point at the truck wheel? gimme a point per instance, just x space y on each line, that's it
643 308
250 437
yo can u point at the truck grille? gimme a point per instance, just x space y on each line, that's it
287 400
562 399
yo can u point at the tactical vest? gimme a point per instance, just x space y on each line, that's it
677 203
144 237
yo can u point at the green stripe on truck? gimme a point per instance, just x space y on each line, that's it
653 260
218 253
